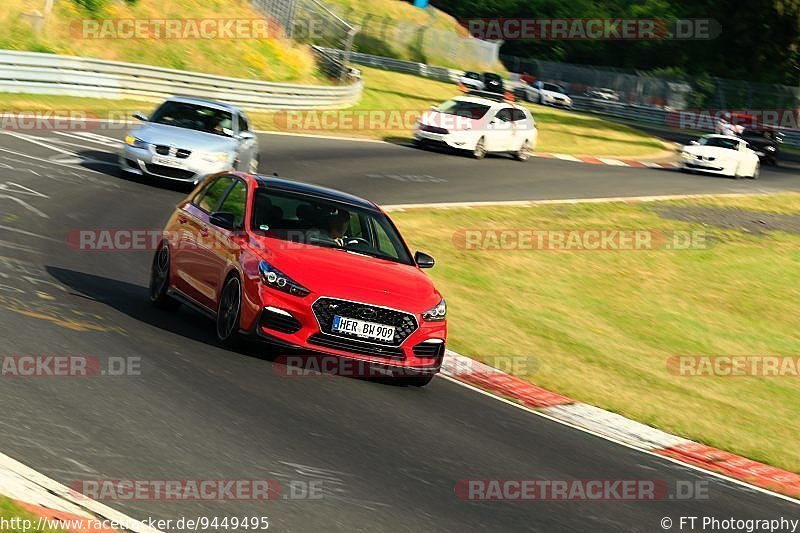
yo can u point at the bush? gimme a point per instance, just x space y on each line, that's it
92 6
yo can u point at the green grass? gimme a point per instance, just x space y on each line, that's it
399 95
264 59
9 510
600 326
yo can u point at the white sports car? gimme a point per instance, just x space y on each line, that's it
720 154
478 125
544 93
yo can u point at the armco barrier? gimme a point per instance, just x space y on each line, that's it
31 72
650 115
447 75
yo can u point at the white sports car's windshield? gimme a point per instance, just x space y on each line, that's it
194 117
719 142
553 87
463 108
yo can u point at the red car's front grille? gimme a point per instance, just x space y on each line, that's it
325 308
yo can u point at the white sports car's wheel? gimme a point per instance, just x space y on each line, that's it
479 152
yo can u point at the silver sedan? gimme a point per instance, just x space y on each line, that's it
188 138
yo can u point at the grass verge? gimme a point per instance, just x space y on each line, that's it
10 511
272 59
601 326
394 96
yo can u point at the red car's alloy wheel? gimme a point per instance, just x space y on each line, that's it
229 308
159 280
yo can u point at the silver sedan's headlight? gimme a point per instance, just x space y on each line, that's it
135 142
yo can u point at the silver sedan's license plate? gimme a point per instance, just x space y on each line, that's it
362 328
168 161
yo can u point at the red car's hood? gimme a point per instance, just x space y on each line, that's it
350 276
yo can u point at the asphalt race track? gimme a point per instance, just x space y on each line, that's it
388 457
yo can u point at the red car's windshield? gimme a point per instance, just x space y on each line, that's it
326 223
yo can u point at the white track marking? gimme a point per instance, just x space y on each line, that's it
59 163
34 140
567 157
100 139
29 233
24 204
612 162
23 483
532 203
622 443
21 189
108 142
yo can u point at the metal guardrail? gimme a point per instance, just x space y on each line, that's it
653 115
32 72
447 75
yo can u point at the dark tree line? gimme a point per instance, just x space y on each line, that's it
758 40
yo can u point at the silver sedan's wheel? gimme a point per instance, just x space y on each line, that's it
480 149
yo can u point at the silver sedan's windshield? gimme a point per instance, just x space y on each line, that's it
194 117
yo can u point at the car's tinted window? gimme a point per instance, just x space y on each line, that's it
213 194
194 117
518 114
325 223
464 108
243 124
504 115
235 202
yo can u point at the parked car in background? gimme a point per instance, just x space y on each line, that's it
765 142
493 83
188 138
543 93
603 94
472 80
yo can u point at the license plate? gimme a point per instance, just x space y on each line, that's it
362 328
167 161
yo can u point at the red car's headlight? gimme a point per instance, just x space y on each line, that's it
276 279
437 314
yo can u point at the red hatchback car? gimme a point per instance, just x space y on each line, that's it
305 267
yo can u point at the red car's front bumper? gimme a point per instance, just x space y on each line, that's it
292 322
